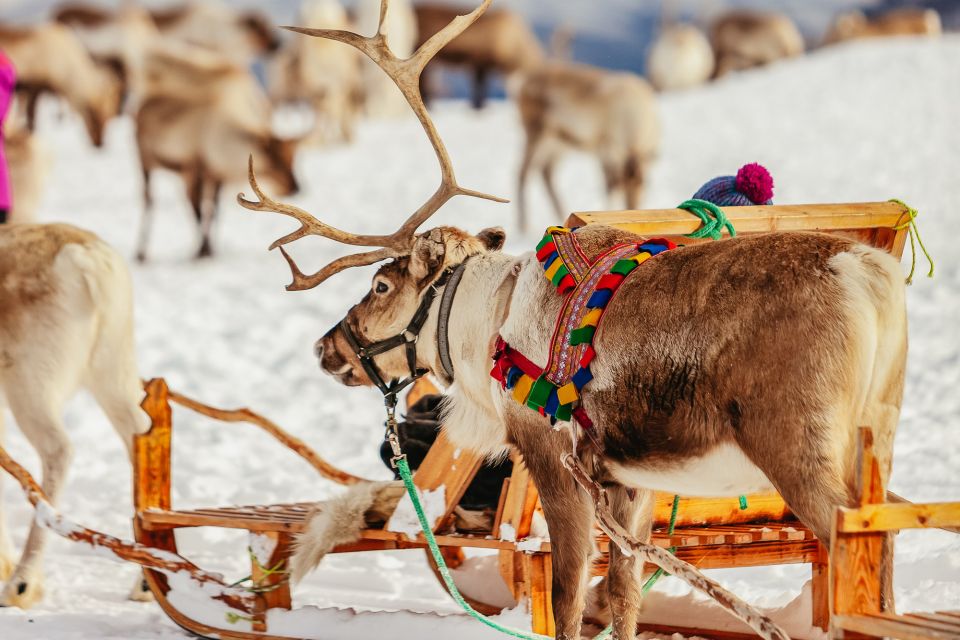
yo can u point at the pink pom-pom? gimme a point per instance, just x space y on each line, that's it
755 182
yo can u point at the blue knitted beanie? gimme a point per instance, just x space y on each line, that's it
751 186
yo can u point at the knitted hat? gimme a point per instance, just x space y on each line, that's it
752 185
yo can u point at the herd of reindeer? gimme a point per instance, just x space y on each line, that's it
184 76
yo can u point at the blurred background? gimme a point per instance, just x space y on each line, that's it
135 120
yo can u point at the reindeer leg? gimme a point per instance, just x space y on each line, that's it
481 74
569 515
522 176
195 184
623 577
39 419
146 218
547 173
6 549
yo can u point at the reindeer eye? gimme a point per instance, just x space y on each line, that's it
381 287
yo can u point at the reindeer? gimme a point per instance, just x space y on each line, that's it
743 39
66 321
28 161
500 41
722 388
324 75
680 58
201 115
49 58
380 96
121 40
240 36
611 115
896 22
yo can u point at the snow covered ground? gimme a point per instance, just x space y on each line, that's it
863 122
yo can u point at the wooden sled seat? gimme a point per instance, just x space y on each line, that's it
292 519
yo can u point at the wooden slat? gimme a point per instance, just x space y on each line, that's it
884 625
759 219
820 589
892 517
943 623
855 558
276 586
762 507
450 466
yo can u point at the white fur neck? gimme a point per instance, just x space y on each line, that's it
470 416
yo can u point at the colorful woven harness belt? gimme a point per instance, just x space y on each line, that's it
588 286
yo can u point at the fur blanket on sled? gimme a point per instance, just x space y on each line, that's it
370 504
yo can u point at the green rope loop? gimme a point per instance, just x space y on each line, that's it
712 217
912 230
404 469
652 580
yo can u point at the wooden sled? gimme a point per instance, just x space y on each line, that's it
856 604
710 533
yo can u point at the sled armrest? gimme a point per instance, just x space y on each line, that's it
151 450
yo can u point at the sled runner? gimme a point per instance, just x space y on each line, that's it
709 533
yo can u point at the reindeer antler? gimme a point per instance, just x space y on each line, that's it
406 75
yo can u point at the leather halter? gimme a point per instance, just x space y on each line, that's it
408 337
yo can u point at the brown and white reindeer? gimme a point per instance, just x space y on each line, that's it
754 362
500 41
66 322
202 115
743 39
51 59
612 115
905 21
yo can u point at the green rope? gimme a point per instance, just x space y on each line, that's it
405 474
712 217
912 230
652 580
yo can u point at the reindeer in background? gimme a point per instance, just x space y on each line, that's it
324 75
744 39
611 115
499 41
51 59
906 21
380 96
201 116
66 322
680 58
688 401
29 163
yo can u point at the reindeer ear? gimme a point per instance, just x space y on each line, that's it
427 255
493 238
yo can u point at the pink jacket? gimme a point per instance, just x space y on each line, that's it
8 77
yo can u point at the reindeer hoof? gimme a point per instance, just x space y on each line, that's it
141 592
141 256
20 593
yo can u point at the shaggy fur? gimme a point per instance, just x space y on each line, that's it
340 521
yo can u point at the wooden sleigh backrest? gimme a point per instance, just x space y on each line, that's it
872 223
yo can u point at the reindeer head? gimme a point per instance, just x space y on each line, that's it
105 103
376 341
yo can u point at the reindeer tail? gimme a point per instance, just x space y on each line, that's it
341 521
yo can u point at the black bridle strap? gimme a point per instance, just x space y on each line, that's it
407 339
443 319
